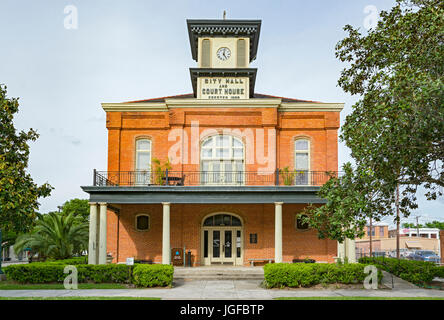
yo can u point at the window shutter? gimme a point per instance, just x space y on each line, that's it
241 53
205 54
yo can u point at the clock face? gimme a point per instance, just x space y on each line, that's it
223 53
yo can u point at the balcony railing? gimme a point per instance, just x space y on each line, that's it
212 178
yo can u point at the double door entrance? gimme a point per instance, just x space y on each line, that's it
222 245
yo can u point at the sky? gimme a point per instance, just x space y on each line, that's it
130 50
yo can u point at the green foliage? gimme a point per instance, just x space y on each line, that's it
159 169
417 272
70 261
78 207
433 224
439 272
395 130
56 236
279 275
43 272
153 275
18 192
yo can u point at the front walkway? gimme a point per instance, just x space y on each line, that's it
222 289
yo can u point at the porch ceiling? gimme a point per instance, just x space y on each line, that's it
204 194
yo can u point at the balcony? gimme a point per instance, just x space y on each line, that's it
213 178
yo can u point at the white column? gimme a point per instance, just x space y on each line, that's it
341 251
166 250
92 247
350 250
102 235
278 232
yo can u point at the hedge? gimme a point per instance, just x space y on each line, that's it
417 272
153 275
70 261
306 275
49 272
43 272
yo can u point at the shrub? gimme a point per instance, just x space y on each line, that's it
71 261
417 272
439 272
306 275
46 272
153 275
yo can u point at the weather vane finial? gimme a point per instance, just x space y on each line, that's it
225 15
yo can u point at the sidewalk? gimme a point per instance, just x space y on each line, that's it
222 289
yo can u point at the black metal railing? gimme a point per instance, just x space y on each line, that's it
209 178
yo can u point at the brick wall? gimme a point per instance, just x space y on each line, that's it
186 221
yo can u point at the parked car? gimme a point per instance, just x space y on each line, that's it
425 255
403 253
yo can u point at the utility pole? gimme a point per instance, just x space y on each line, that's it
417 227
397 221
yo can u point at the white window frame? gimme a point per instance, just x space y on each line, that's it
307 151
219 179
149 222
142 176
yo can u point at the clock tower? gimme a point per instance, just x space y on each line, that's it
223 50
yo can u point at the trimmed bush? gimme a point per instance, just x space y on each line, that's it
43 272
70 261
153 275
417 272
306 275
439 272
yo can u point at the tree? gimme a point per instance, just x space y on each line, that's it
18 192
56 236
78 207
433 224
396 130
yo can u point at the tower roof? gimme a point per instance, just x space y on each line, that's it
224 28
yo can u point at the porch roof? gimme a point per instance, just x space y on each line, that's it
203 194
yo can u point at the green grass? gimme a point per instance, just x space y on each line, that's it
11 285
79 298
359 298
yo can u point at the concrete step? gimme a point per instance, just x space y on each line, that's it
219 273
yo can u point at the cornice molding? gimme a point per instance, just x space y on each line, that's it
135 107
310 107
235 103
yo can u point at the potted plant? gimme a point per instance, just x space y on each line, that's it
159 170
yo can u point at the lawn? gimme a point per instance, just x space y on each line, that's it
360 298
11 285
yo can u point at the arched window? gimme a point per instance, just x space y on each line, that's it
142 222
222 160
143 161
300 224
302 161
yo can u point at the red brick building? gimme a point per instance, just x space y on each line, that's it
221 172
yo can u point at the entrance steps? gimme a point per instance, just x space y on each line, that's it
219 273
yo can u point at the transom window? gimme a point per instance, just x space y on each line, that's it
222 220
302 161
222 160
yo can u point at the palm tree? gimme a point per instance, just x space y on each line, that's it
56 236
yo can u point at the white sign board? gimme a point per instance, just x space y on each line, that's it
129 261
222 88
